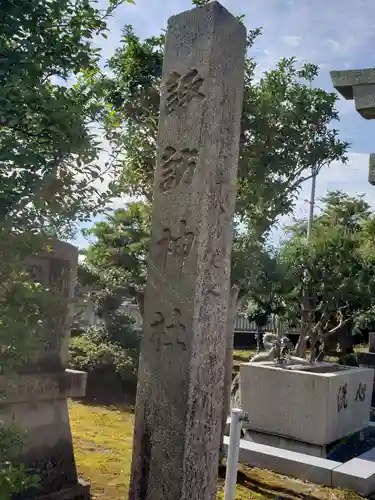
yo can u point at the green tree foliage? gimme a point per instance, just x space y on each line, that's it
48 150
97 351
340 264
49 161
269 281
13 479
116 262
286 128
49 153
115 269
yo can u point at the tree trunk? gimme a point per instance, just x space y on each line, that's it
306 327
232 307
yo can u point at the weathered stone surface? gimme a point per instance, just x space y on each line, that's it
57 270
287 444
48 448
312 407
371 335
358 84
42 387
364 98
35 400
80 491
37 404
181 372
366 358
371 175
345 80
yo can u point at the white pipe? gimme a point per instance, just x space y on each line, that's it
233 454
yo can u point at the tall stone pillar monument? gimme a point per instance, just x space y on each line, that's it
181 371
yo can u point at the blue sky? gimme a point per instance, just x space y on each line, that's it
334 34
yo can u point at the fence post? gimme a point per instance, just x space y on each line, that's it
233 454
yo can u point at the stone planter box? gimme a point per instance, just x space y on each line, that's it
317 405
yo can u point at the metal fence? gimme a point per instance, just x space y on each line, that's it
242 324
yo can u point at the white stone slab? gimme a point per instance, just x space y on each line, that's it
308 468
357 474
316 408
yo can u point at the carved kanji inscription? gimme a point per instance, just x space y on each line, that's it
181 89
176 246
168 331
361 392
176 167
215 263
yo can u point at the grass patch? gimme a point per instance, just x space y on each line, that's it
243 355
102 438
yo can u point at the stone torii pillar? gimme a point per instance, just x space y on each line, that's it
359 84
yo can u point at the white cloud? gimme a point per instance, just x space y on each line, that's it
292 41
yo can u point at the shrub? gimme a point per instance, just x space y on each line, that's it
13 478
94 350
348 360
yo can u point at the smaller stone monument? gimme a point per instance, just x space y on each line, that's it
35 400
367 360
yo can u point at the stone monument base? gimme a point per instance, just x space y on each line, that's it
81 491
282 442
285 443
367 360
37 404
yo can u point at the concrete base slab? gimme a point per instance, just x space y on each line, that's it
306 467
279 441
357 474
285 443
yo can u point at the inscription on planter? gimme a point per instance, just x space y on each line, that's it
361 392
343 399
